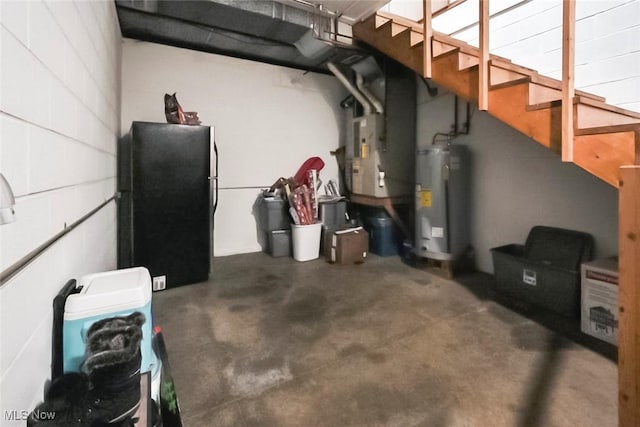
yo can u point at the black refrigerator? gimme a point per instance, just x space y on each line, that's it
167 187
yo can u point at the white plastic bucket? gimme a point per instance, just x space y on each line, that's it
306 241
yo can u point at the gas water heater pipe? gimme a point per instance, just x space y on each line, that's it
362 99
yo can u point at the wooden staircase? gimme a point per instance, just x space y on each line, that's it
605 137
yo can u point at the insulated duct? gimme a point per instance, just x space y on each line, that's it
266 31
311 46
362 99
367 93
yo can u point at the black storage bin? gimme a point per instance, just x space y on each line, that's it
545 271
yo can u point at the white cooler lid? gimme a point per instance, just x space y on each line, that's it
109 291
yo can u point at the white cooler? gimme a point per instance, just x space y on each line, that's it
107 294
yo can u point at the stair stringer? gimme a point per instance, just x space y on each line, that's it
603 154
522 98
509 105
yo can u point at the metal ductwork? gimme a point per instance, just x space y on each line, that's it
366 70
377 104
287 34
359 96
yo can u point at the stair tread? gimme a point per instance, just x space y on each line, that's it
397 29
404 36
608 129
401 21
464 47
522 80
505 63
499 62
604 106
387 26
538 78
441 37
544 105
495 59
378 18
531 76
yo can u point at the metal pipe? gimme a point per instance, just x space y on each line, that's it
351 88
16 267
455 114
433 91
468 122
367 93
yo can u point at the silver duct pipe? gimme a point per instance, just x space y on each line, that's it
367 93
362 99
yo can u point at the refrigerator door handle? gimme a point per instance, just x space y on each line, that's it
213 185
215 178
215 194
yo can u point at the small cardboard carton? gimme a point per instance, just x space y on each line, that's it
600 299
327 235
349 246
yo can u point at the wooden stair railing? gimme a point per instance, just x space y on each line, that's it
604 137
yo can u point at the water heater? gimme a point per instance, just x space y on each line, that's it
442 201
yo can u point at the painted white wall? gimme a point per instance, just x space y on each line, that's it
59 121
517 183
607 32
268 119
411 9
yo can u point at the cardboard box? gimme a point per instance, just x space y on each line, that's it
600 299
326 236
349 246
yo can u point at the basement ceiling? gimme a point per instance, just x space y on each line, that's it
291 33
349 11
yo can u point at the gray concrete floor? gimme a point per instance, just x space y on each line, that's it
274 342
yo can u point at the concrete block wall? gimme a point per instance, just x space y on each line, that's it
608 51
59 122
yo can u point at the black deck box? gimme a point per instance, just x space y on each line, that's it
545 271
